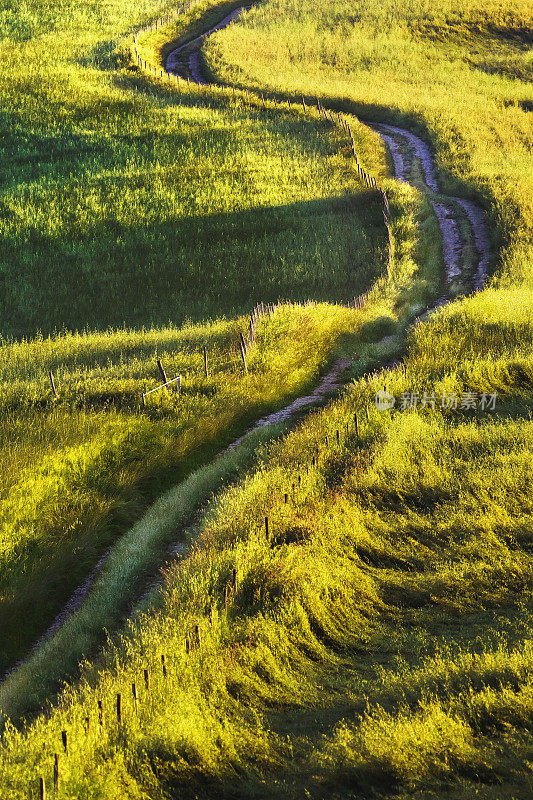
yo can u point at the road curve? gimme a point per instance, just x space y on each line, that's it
406 151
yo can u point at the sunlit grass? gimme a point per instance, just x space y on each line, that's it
127 203
380 640
459 72
129 212
380 627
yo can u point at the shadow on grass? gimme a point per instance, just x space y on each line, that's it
194 268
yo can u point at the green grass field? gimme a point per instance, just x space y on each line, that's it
126 205
123 206
378 642
458 73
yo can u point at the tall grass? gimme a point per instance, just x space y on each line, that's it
125 203
377 640
128 203
79 469
459 73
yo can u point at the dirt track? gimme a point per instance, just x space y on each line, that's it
407 151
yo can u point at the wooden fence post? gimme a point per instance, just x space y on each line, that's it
161 370
119 708
56 772
391 242
100 713
147 680
234 581
266 529
52 383
64 740
42 789
163 665
206 371
243 353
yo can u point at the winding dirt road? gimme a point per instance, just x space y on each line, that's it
408 152
410 156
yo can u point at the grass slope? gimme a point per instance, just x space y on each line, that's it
126 204
379 641
459 73
80 468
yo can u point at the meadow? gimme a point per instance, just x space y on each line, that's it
80 468
458 74
377 640
374 636
125 204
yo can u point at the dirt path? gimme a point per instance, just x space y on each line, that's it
407 151
329 384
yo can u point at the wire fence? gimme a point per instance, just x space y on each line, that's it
114 712
258 99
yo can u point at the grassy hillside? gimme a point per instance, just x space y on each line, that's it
79 469
459 73
378 641
124 205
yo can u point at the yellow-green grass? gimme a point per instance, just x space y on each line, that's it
377 642
458 72
79 468
399 571
153 46
78 471
125 203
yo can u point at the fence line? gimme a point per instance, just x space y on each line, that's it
158 676
248 340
